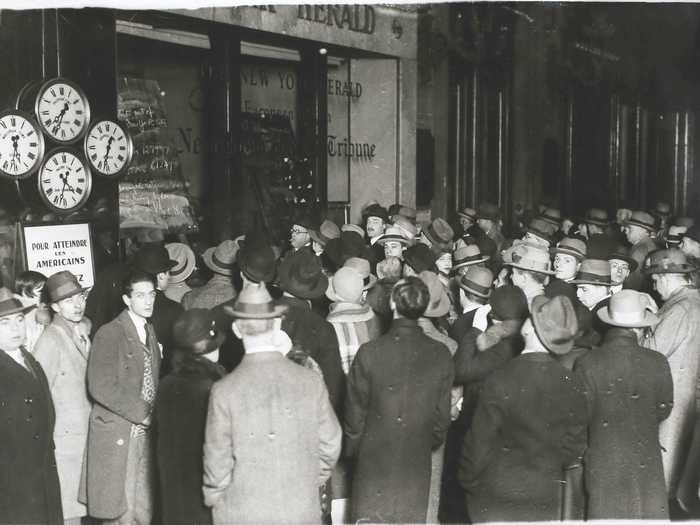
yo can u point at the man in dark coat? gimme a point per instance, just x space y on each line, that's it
529 425
630 391
397 411
29 488
302 280
181 415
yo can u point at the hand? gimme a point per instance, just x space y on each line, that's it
59 119
649 303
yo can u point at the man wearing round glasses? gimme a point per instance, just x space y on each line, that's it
62 350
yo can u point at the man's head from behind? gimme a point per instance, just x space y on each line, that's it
409 298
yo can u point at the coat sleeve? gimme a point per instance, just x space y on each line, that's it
671 332
330 435
356 402
443 416
464 357
103 378
331 366
664 390
482 439
48 356
218 448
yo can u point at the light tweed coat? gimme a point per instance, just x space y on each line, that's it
677 337
64 357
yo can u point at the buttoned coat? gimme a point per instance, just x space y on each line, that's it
677 336
63 356
530 423
397 411
271 441
29 487
115 381
629 391
165 313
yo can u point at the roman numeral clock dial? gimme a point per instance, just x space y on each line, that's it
108 148
62 110
21 145
64 180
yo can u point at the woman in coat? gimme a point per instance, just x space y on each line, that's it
181 414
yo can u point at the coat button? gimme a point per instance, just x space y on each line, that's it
36 436
120 442
28 400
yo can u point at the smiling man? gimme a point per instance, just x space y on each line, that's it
122 380
30 491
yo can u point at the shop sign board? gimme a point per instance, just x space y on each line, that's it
52 248
375 28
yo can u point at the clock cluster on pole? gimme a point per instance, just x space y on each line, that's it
46 143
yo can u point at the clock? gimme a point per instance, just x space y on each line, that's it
108 147
62 110
64 180
21 145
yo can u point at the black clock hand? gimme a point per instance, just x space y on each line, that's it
59 118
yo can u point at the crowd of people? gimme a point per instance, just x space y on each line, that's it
388 371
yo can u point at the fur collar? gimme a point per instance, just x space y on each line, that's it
196 366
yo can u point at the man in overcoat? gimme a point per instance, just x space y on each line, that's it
62 350
122 379
271 437
677 336
529 425
630 391
29 487
397 411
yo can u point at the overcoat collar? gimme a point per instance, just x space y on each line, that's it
616 334
405 325
678 296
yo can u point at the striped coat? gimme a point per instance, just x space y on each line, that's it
354 325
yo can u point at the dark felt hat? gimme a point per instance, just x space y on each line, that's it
489 211
375 210
349 244
477 280
153 258
300 274
622 254
593 271
9 304
62 285
597 216
555 322
508 302
541 228
570 246
256 260
552 216
671 260
419 257
197 325
643 220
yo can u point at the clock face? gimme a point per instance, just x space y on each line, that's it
108 147
62 110
21 145
64 180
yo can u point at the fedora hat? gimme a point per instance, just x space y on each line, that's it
221 259
361 266
468 213
346 286
408 229
508 302
628 309
198 325
304 219
569 246
300 274
184 256
489 211
255 302
670 260
375 210
419 257
349 244
439 232
593 271
477 280
675 235
555 322
528 257
552 216
392 233
257 260
642 219
9 304
153 258
439 303
353 228
407 212
621 253
327 231
596 216
62 285
468 255
541 228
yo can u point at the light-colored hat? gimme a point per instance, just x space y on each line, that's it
671 260
596 216
593 271
439 303
255 302
531 258
643 220
222 258
574 247
392 233
346 286
468 255
327 231
439 232
628 309
552 216
362 267
406 226
478 281
555 322
185 258
353 228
